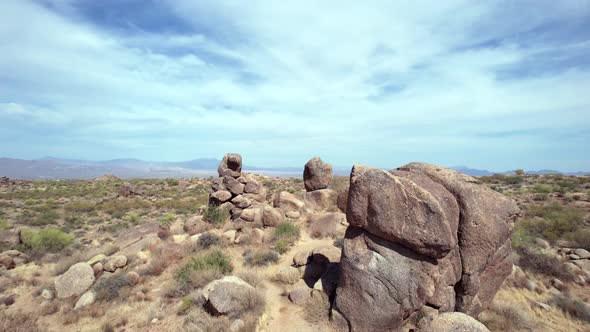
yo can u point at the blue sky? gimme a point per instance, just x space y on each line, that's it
489 84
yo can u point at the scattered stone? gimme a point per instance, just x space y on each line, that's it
293 214
573 257
300 295
133 277
287 274
47 294
301 258
451 322
227 296
233 186
530 285
96 259
241 202
230 235
219 197
572 268
192 225
542 243
317 174
237 325
582 253
287 202
7 261
541 305
271 217
558 284
112 263
583 264
231 165
128 190
252 214
97 268
75 281
85 300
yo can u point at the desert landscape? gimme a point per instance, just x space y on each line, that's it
417 248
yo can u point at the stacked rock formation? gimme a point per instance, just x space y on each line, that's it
420 236
317 176
241 194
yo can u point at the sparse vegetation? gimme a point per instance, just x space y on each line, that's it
215 261
260 257
49 239
216 215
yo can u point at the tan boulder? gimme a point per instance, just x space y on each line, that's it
317 174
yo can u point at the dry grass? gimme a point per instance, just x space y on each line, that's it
512 310
18 322
317 310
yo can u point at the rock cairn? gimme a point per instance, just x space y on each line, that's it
420 237
317 176
241 194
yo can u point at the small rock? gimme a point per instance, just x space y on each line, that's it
542 243
96 259
237 325
97 268
230 235
178 238
85 300
220 196
580 280
573 257
582 253
7 262
541 305
301 258
133 277
112 263
47 294
155 321
300 295
558 284
293 214
530 285
572 268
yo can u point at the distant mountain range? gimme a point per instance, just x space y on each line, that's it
57 168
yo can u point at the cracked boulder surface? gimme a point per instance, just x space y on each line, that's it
420 235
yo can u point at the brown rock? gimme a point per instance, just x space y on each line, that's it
233 185
317 174
300 295
75 281
287 202
219 197
451 322
241 202
7 262
231 165
253 214
271 217
423 218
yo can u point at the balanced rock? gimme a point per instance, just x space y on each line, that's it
231 165
317 174
75 281
420 235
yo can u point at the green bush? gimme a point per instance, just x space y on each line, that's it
549 221
282 246
542 188
167 220
49 239
207 240
212 261
216 215
46 218
80 206
286 231
260 257
4 226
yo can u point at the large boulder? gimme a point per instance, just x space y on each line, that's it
451 322
75 281
233 185
227 296
271 217
231 165
287 202
317 174
413 243
219 197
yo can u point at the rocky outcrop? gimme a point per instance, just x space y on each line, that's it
227 296
420 236
317 174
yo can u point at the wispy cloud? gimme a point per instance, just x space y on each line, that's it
486 84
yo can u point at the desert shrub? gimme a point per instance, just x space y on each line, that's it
260 257
512 179
542 188
286 231
199 320
534 261
199 279
107 289
49 309
216 215
253 278
80 206
167 220
180 206
282 246
550 221
540 197
185 305
49 239
4 225
317 310
107 327
132 217
207 240
155 267
212 261
581 238
572 305
18 322
508 317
